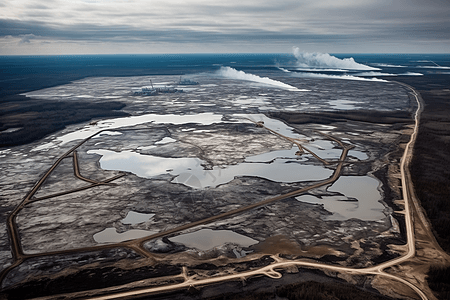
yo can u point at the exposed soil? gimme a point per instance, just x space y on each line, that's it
300 228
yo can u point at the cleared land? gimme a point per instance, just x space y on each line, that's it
361 258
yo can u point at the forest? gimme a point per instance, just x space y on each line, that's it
34 119
430 165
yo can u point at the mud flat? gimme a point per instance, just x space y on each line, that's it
210 177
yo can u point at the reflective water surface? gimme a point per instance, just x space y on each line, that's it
191 173
206 239
361 199
110 235
136 218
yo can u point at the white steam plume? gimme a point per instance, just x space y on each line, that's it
388 65
321 70
411 74
371 73
347 77
240 75
433 67
284 70
325 60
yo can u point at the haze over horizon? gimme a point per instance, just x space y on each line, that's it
31 27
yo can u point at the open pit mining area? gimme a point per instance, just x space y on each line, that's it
185 157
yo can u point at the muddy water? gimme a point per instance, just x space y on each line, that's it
190 172
136 218
145 166
110 235
88 130
206 239
278 166
360 199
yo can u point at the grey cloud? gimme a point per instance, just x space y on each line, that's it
404 12
127 33
223 34
38 6
39 14
25 38
268 7
283 22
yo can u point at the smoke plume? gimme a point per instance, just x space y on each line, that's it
231 73
347 77
325 60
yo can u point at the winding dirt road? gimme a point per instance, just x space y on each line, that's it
270 271
137 244
411 202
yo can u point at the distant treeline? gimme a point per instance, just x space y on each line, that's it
24 74
35 119
430 166
438 278
86 279
309 290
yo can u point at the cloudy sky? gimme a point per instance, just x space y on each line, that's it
201 26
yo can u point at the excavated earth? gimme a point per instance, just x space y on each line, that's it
375 117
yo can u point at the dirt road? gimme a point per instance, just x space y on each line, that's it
270 271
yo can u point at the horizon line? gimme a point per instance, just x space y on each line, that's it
219 53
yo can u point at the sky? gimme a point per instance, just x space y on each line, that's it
34 27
